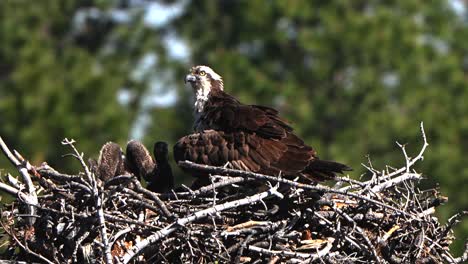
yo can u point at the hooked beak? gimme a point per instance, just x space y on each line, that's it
190 78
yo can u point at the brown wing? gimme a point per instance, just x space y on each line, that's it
223 112
250 152
245 152
254 138
110 161
138 160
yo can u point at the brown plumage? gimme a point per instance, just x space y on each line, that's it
110 162
157 172
162 179
249 137
138 160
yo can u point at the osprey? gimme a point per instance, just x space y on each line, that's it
157 172
138 160
161 180
110 162
248 137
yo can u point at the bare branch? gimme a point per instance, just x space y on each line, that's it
198 215
232 219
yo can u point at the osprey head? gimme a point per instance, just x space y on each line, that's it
203 81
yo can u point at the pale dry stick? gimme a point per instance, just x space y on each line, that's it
79 157
13 191
407 158
24 168
403 169
13 181
21 167
387 234
370 167
9 154
223 171
221 247
188 189
429 211
395 181
420 243
196 216
77 186
98 198
215 193
78 242
350 181
194 193
120 233
408 196
312 256
55 175
102 223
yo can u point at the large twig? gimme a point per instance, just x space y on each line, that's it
395 181
21 166
55 175
161 205
309 256
98 197
102 223
8 153
224 171
227 181
198 215
385 219
409 163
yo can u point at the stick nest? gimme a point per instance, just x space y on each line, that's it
240 217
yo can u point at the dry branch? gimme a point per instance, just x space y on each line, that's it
238 217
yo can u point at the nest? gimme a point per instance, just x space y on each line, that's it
239 217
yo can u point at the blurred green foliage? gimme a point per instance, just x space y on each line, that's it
353 77
62 67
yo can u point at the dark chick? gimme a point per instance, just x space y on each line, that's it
110 162
138 160
162 178
156 171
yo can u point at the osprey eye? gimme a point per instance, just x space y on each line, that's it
202 73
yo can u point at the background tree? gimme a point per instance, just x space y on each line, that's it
68 69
